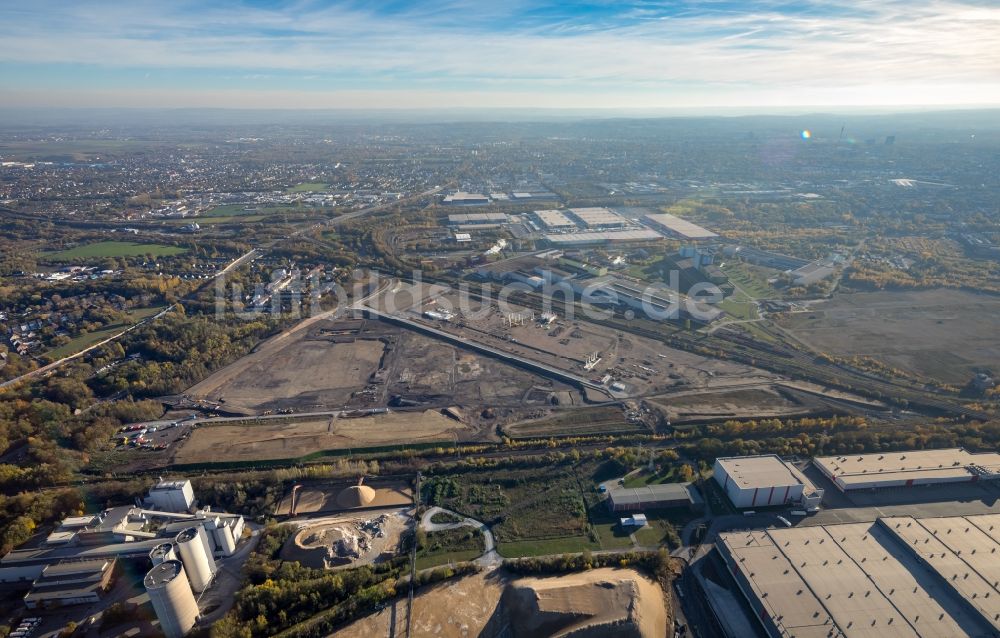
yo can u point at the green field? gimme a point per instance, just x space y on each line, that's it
114 249
540 510
547 546
450 546
664 527
84 341
749 280
738 309
308 187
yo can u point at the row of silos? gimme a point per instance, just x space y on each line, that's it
180 569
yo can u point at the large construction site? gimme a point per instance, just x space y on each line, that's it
363 363
602 361
418 365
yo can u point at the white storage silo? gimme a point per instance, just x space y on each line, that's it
170 593
222 534
162 553
192 546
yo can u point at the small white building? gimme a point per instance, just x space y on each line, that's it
171 496
764 481
636 520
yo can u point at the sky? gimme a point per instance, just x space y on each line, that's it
389 54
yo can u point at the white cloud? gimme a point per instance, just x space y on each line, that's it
869 50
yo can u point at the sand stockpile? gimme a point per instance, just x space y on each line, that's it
356 496
597 603
601 602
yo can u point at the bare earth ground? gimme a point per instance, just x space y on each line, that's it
614 602
760 402
291 439
313 372
941 334
327 365
456 609
643 365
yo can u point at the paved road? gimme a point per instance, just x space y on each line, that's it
48 369
490 558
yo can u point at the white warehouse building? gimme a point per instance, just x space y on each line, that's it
764 481
910 468
171 496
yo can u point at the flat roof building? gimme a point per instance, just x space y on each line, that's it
908 469
597 218
70 582
674 226
663 495
553 219
466 199
477 219
763 481
892 577
596 237
171 496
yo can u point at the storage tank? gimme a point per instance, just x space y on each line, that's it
198 561
161 553
222 535
173 601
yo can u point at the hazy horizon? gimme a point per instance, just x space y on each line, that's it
321 54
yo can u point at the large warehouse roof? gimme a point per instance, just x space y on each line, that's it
599 236
925 466
865 579
681 227
554 219
597 217
477 218
768 470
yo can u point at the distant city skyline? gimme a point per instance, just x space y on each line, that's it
719 54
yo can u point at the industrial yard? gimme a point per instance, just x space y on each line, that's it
346 541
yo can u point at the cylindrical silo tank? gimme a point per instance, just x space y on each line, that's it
198 563
173 601
161 553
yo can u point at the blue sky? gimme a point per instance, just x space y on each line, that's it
519 53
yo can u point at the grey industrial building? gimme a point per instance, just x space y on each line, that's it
466 199
664 495
478 219
600 237
896 576
674 226
70 582
910 468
